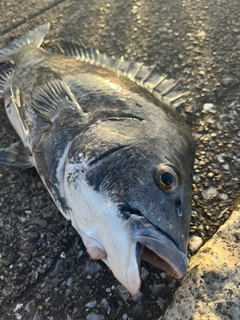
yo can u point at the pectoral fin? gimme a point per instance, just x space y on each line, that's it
15 156
52 98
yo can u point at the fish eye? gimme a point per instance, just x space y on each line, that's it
167 177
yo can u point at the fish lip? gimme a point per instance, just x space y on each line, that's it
157 247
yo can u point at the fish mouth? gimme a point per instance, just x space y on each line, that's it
155 247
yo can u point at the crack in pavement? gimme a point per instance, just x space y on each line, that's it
32 16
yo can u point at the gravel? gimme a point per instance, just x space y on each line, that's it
197 41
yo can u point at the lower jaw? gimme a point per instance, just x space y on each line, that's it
155 247
150 257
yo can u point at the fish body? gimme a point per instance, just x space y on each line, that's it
113 153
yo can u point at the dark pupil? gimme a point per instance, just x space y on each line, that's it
167 178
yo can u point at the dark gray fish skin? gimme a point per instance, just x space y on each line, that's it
80 123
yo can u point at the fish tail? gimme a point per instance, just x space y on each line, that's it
35 37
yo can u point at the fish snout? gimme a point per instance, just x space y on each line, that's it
157 248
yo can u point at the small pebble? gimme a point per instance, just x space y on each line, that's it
124 294
5 210
56 281
157 288
69 281
194 213
63 255
208 106
226 82
161 302
173 283
196 178
92 267
120 303
77 314
91 304
38 296
226 166
201 34
223 196
220 158
194 243
210 175
144 273
36 316
104 303
210 192
59 267
137 297
94 316
39 222
18 306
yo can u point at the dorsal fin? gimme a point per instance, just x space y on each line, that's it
51 95
147 77
35 37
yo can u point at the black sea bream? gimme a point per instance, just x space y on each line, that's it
111 150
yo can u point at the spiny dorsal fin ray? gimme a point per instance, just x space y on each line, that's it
165 86
143 74
51 96
15 156
35 37
159 85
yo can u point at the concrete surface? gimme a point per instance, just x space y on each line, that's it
211 288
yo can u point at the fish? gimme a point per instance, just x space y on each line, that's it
110 147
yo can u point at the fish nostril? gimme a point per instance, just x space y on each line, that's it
178 203
178 207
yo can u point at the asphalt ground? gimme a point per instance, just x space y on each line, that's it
45 272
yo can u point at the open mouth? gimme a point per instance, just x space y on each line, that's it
157 248
151 257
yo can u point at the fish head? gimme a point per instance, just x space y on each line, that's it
130 195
